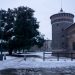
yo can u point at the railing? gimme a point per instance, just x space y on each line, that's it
52 56
60 54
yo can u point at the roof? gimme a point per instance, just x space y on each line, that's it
73 25
61 12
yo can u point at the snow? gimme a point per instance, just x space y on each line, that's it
12 37
34 53
11 29
32 62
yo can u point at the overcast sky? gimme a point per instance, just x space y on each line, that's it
43 10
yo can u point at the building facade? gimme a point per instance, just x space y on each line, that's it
46 46
70 37
60 22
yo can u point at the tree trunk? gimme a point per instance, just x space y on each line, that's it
15 51
23 51
10 52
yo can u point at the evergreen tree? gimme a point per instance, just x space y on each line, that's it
2 24
26 27
40 40
19 29
8 28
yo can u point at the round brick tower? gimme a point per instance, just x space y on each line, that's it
60 22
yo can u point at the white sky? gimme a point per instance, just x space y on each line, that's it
43 10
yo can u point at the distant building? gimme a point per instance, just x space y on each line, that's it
46 46
62 26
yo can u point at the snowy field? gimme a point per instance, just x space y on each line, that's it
32 62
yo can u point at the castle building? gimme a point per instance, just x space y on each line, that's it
70 37
61 23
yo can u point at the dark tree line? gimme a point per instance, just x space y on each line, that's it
19 29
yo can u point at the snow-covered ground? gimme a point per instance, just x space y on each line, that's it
32 62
